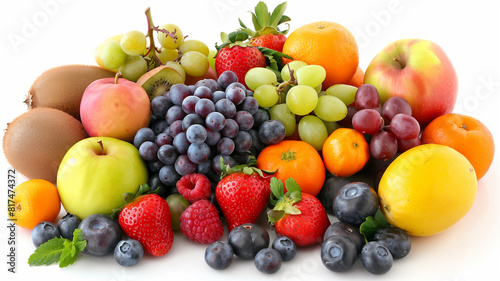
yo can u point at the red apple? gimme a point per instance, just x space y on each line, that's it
115 108
418 71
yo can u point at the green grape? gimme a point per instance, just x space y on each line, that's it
282 113
318 88
194 63
259 76
345 93
301 100
112 55
330 126
330 108
311 75
168 42
167 55
133 68
266 95
294 65
211 58
178 68
194 45
133 43
313 131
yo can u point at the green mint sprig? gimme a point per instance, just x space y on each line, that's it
59 250
372 224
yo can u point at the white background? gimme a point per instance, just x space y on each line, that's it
52 33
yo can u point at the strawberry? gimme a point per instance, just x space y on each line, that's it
147 220
266 32
242 194
296 215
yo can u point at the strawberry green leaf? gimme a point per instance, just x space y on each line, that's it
277 191
284 19
291 210
262 14
275 215
238 35
291 186
277 14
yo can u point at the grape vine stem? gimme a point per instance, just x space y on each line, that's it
150 56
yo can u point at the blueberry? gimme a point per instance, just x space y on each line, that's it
219 255
354 202
338 253
128 252
248 239
329 190
376 258
67 225
102 233
268 261
285 247
43 232
395 239
345 229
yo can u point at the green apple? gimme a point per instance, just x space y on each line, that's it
96 172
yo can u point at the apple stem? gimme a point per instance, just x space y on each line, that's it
117 76
102 147
400 63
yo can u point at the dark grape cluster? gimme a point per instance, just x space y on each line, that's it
192 127
391 126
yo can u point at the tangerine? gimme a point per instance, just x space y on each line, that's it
358 78
345 152
294 159
328 44
35 201
465 134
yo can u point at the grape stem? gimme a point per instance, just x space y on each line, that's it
282 87
150 56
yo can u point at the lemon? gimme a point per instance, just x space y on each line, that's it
427 189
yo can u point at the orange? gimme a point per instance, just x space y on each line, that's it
345 152
465 134
294 159
327 44
34 201
358 78
427 189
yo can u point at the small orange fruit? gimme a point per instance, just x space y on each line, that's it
345 152
328 44
35 201
294 159
465 134
358 78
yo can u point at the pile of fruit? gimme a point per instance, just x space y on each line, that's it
168 135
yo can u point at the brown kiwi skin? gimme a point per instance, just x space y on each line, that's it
62 87
36 141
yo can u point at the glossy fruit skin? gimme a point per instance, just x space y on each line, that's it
177 205
239 60
248 239
128 252
43 232
102 233
338 253
296 159
348 230
147 219
200 223
329 190
307 228
395 239
219 255
268 261
285 247
354 202
242 197
67 225
271 41
376 258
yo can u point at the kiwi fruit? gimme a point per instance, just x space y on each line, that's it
62 87
37 140
159 80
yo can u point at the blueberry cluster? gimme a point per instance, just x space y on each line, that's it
192 127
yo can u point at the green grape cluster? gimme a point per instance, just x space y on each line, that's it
295 98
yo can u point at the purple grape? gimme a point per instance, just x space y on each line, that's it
249 104
175 128
404 126
188 104
226 78
196 134
215 121
226 107
383 145
244 119
209 83
174 113
242 141
203 92
225 146
154 166
228 160
218 95
167 154
204 107
347 121
178 93
191 119
205 167
212 137
143 135
163 139
198 153
168 176
230 129
184 166
181 143
258 117
159 126
366 97
160 106
237 85
236 95
271 132
367 121
148 151
395 105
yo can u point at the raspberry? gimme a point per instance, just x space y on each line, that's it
200 223
194 187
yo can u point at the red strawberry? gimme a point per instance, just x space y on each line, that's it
147 220
239 59
200 222
296 215
271 41
242 195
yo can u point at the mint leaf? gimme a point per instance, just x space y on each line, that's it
372 224
47 253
